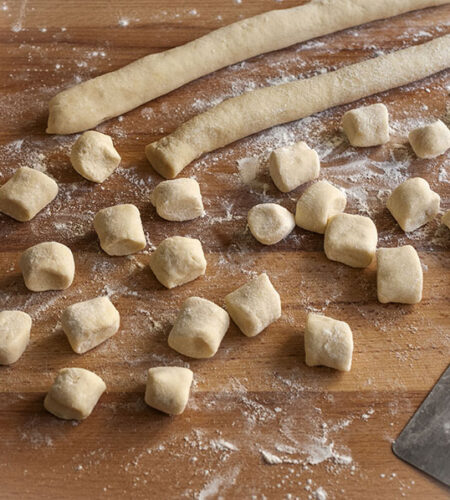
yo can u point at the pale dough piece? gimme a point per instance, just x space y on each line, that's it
94 156
178 200
413 204
86 105
294 165
254 306
446 219
74 393
178 260
87 324
47 266
270 223
15 327
351 239
367 126
199 328
317 205
399 275
168 388
328 342
26 193
254 111
119 230
430 141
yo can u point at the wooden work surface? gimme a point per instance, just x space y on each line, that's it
255 402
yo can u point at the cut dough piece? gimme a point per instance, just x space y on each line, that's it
178 260
413 204
292 166
86 105
254 306
430 141
74 393
15 327
446 219
270 223
254 111
317 205
199 328
27 193
119 230
351 239
367 126
168 388
87 324
328 342
178 200
94 156
47 266
399 275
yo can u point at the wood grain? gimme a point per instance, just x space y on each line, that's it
255 393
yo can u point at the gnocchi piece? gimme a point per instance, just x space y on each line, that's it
178 260
254 306
74 393
430 141
119 230
94 156
328 342
399 275
270 223
317 205
351 239
168 388
294 165
367 126
15 327
47 266
413 204
199 328
178 200
27 193
446 219
87 324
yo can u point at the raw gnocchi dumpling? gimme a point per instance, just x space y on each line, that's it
294 165
15 327
74 393
47 266
168 388
367 126
317 205
199 328
178 200
27 193
178 260
270 223
94 156
328 342
399 275
430 141
351 239
413 204
120 230
254 306
87 324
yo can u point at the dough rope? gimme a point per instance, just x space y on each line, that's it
252 112
86 105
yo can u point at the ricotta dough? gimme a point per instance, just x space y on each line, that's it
367 126
430 141
270 223
15 327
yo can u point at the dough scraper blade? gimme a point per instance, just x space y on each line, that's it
425 441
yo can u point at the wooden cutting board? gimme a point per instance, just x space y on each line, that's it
260 424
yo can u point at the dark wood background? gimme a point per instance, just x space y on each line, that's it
256 394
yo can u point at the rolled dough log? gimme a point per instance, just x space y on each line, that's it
86 105
249 113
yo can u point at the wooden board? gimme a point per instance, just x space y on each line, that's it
255 402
